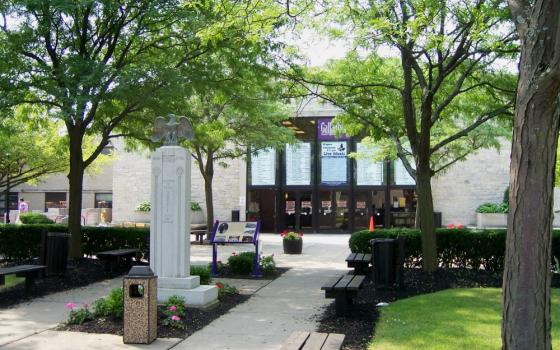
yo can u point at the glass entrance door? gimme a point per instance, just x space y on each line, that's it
334 212
298 210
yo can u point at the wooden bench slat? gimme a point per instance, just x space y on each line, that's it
315 341
341 285
351 257
356 283
295 341
359 257
119 252
20 269
333 342
329 285
367 257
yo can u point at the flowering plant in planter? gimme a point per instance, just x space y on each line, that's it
292 242
291 235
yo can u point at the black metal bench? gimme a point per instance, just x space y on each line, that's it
199 230
111 258
30 272
343 289
360 262
313 341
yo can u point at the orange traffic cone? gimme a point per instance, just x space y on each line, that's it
371 224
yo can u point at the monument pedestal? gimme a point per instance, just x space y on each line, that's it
170 244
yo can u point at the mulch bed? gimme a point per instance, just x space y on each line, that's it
194 320
359 324
79 273
225 273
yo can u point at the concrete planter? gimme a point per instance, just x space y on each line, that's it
487 220
292 246
141 216
197 217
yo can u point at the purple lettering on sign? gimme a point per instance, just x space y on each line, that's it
327 130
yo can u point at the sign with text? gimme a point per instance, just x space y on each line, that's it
263 168
235 233
298 164
327 130
334 162
402 177
368 172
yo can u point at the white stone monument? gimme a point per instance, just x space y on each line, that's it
170 245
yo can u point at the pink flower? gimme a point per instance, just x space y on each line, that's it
70 306
86 306
175 318
460 226
451 226
234 253
173 308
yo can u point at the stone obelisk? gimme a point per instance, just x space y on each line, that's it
170 217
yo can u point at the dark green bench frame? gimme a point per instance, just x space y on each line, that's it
343 289
360 262
111 258
30 272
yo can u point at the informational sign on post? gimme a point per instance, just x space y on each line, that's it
227 232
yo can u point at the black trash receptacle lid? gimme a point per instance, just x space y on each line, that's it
382 240
140 271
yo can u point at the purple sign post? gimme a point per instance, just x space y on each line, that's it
327 130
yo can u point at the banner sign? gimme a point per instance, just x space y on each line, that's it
334 162
298 164
263 168
368 172
327 130
402 177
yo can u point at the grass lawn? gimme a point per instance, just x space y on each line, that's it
451 319
12 280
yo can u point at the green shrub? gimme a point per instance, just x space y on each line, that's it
78 316
241 263
203 272
267 264
493 208
144 206
34 219
195 206
112 305
456 247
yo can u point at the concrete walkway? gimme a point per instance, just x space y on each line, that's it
291 302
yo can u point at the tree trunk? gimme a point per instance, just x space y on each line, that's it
75 179
526 320
7 200
425 210
527 273
208 177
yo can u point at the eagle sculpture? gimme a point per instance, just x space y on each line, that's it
172 130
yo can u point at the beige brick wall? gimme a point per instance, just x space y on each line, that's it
131 185
98 182
482 177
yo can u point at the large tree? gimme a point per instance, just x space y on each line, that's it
433 98
526 307
99 64
237 108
